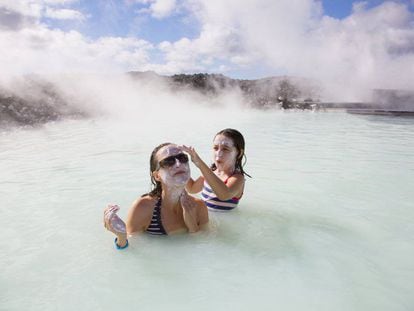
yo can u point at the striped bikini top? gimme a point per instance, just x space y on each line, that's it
156 226
214 203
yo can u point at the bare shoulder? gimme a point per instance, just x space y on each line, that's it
237 176
139 215
143 203
141 207
237 180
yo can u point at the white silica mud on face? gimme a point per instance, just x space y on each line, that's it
224 152
176 175
325 222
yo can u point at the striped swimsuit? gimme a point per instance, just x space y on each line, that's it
156 226
214 203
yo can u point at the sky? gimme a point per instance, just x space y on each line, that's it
346 42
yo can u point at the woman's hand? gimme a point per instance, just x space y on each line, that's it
195 158
189 212
113 223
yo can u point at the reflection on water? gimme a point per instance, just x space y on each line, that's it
404 120
324 224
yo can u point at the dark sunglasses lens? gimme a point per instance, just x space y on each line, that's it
183 158
170 161
167 162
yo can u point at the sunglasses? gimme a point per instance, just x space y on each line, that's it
170 161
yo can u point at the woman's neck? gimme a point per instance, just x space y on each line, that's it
171 196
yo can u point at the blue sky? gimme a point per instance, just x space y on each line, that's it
110 18
361 40
114 18
343 8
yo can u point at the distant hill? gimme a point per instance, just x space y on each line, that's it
37 100
260 93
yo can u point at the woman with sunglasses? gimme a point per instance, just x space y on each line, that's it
167 208
222 183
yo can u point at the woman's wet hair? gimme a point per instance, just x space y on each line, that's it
238 141
156 188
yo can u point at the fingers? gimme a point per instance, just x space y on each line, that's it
111 209
186 201
109 212
117 224
188 149
185 196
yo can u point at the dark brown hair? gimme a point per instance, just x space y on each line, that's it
238 141
156 187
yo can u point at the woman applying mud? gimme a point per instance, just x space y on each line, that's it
167 208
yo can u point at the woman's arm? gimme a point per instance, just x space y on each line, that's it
194 212
137 220
202 215
223 191
140 214
189 212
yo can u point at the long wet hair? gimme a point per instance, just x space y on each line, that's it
156 188
238 141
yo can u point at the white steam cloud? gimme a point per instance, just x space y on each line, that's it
134 100
371 48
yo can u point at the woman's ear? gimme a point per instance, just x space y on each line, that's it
156 176
241 153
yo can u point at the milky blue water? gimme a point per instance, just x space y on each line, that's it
326 222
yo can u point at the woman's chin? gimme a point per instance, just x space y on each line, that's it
181 179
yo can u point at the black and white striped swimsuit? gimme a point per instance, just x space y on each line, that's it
156 226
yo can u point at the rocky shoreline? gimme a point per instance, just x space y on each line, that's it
44 101
45 104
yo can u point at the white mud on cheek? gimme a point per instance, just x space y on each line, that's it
169 178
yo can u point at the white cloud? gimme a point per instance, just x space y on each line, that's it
36 48
64 14
59 2
139 1
26 8
239 34
370 48
162 8
158 9
42 8
41 50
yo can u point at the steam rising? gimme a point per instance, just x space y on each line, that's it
31 100
369 49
